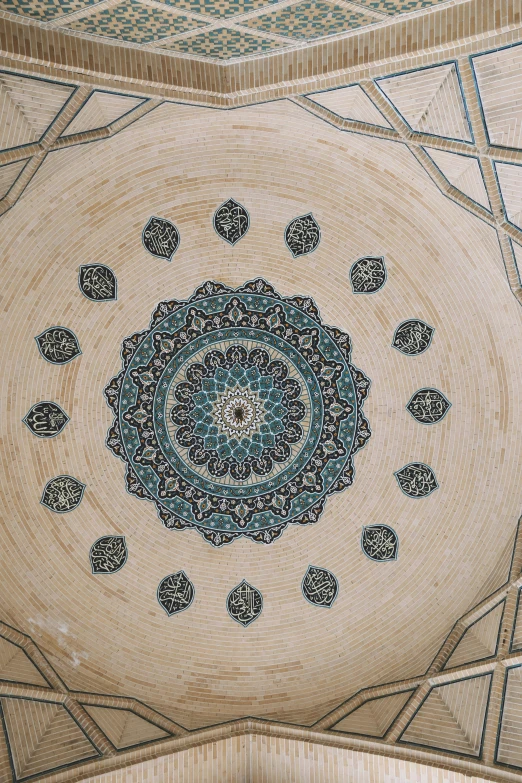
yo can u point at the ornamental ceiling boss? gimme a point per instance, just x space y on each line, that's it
238 412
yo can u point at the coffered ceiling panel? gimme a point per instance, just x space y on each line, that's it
350 103
499 76
464 173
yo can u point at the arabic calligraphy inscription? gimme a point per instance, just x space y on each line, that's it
46 419
231 221
161 238
97 282
428 406
175 593
368 275
108 554
319 586
58 345
413 337
302 235
416 480
62 494
244 603
380 542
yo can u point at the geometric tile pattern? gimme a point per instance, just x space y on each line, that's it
398 6
131 21
16 666
509 750
44 9
510 181
220 8
223 44
350 103
452 717
499 76
9 175
479 640
430 101
373 718
43 736
310 19
101 109
123 727
27 108
464 173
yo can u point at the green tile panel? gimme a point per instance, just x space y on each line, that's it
310 20
397 6
220 8
45 10
223 44
131 21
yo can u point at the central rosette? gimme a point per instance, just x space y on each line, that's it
237 412
242 418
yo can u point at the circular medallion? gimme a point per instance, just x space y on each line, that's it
237 412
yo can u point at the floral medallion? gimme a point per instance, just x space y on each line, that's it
237 412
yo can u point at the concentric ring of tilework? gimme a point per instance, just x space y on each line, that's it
88 204
238 412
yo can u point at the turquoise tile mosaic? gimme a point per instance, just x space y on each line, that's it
220 8
397 6
131 21
223 44
44 9
310 20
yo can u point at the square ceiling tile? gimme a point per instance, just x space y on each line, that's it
310 20
220 8
44 9
398 6
223 44
134 22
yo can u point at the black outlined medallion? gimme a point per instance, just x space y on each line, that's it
161 238
46 419
58 345
416 480
175 593
244 603
428 406
302 235
380 543
62 494
108 554
231 221
320 587
368 275
413 337
98 283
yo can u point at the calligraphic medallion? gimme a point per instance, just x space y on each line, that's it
302 235
175 593
46 419
58 345
244 603
108 554
97 282
320 586
416 480
380 543
238 412
161 238
62 494
413 337
231 221
368 275
428 406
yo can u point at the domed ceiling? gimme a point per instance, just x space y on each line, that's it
261 412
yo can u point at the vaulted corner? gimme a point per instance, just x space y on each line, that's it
260 404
